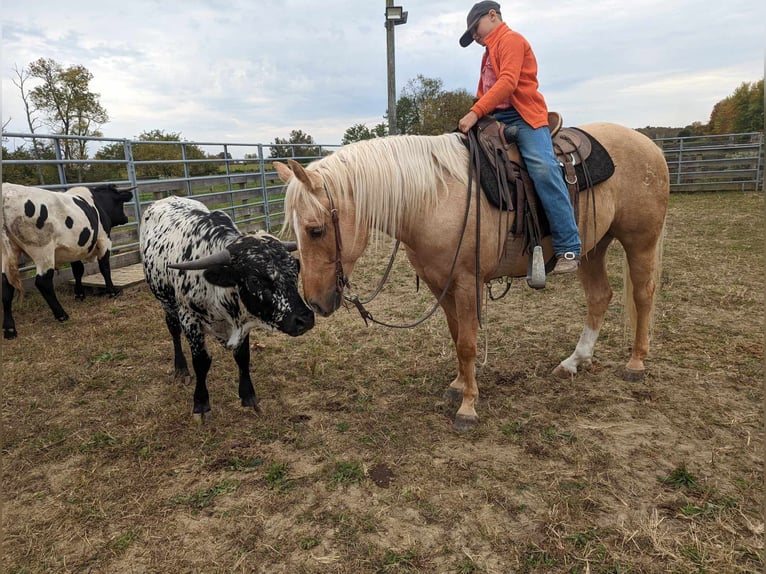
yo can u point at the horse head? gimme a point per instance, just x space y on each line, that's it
323 220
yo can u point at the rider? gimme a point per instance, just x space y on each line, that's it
508 89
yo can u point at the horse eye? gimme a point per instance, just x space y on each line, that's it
316 232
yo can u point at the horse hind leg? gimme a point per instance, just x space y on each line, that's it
598 294
641 283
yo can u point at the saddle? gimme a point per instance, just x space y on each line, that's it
507 185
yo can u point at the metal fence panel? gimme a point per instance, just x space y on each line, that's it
720 162
239 178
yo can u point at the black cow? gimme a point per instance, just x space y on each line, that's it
53 228
212 279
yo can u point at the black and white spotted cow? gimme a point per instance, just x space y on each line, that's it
54 228
212 279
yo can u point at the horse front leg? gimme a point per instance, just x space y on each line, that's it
465 348
598 294
463 388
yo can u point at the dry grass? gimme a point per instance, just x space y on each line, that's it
352 466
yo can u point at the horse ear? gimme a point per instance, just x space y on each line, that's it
300 173
283 171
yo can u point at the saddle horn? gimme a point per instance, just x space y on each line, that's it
220 258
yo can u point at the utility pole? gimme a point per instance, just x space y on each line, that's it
394 16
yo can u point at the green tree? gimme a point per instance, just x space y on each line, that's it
740 112
425 108
298 145
174 152
359 132
30 174
67 105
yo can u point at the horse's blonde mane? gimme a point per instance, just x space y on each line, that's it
390 180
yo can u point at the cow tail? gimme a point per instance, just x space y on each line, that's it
11 264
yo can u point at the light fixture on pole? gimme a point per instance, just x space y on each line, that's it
395 15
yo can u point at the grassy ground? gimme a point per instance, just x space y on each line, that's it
352 466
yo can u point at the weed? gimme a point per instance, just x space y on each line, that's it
693 553
679 478
512 430
347 473
308 543
581 539
394 560
552 434
244 464
98 441
535 557
121 543
467 566
205 498
107 357
276 475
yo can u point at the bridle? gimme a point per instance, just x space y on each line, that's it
342 282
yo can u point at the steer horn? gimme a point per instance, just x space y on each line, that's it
220 258
290 245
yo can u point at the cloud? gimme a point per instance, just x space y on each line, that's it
253 71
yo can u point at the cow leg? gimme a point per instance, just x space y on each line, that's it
201 361
9 325
78 270
246 391
44 284
181 368
106 270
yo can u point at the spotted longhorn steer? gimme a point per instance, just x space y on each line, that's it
53 228
212 279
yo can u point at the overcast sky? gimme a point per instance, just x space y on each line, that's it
253 70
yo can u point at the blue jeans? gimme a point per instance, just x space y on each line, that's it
544 170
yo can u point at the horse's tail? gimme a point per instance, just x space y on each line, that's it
629 305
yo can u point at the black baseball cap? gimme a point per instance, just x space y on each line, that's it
479 9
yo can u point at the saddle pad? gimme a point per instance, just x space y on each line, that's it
599 165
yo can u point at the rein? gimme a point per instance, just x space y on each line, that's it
341 280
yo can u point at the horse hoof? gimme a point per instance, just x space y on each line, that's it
453 395
10 334
79 297
115 293
563 373
62 318
464 422
633 375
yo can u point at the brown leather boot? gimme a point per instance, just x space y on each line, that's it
566 263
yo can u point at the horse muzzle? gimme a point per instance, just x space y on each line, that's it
327 305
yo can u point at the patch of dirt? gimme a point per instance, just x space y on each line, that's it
352 466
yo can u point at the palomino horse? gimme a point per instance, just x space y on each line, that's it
414 188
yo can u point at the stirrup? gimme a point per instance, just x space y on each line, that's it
536 277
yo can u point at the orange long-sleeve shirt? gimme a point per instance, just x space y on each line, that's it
515 66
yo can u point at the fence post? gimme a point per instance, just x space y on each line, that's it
264 191
130 166
186 169
759 167
59 161
680 155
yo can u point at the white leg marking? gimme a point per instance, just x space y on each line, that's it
583 352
